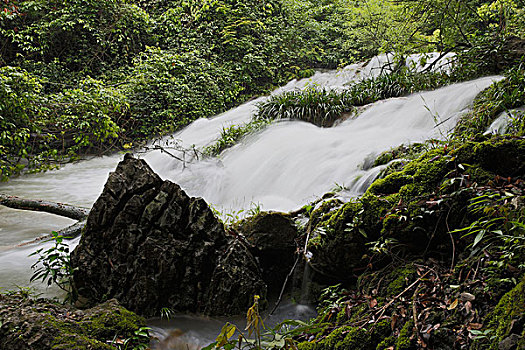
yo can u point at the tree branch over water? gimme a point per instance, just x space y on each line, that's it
67 210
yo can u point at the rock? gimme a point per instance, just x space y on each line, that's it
272 238
149 245
509 343
235 281
42 324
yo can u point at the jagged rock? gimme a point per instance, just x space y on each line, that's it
272 238
235 281
42 324
149 245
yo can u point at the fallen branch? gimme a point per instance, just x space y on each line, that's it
383 309
67 210
69 232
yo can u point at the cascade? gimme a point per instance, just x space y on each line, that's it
280 168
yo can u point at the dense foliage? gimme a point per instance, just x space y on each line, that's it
92 76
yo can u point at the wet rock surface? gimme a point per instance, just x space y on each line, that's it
149 245
42 324
235 281
271 236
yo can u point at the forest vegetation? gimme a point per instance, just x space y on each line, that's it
431 256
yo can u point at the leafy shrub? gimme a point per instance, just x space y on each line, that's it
54 267
168 90
85 35
84 118
19 97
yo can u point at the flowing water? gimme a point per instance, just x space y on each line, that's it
281 168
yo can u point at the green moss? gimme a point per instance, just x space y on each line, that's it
405 340
110 319
349 337
503 156
324 211
403 277
390 184
417 177
79 342
482 159
387 343
404 152
307 345
511 307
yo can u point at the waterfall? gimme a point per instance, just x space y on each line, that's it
293 162
280 168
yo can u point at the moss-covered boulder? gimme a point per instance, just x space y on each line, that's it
41 324
413 211
481 160
338 244
505 326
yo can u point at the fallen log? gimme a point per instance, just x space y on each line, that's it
61 209
67 210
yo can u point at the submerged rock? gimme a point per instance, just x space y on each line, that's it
42 324
149 245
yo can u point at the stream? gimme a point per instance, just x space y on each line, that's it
280 168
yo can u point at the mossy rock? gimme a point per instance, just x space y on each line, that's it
42 324
505 325
338 244
269 231
350 337
504 156
102 321
400 152
323 211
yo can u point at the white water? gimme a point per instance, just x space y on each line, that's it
281 168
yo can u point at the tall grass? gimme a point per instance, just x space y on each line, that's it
323 107
233 134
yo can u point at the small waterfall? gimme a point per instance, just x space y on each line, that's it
305 298
292 162
282 167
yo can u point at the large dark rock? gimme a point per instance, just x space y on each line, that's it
271 236
235 281
149 245
42 324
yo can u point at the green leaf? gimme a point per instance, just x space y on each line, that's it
479 237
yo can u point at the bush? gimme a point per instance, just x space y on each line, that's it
83 119
87 35
19 99
167 90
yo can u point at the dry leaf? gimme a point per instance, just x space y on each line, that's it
467 296
453 305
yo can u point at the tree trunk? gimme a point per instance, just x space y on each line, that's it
69 211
